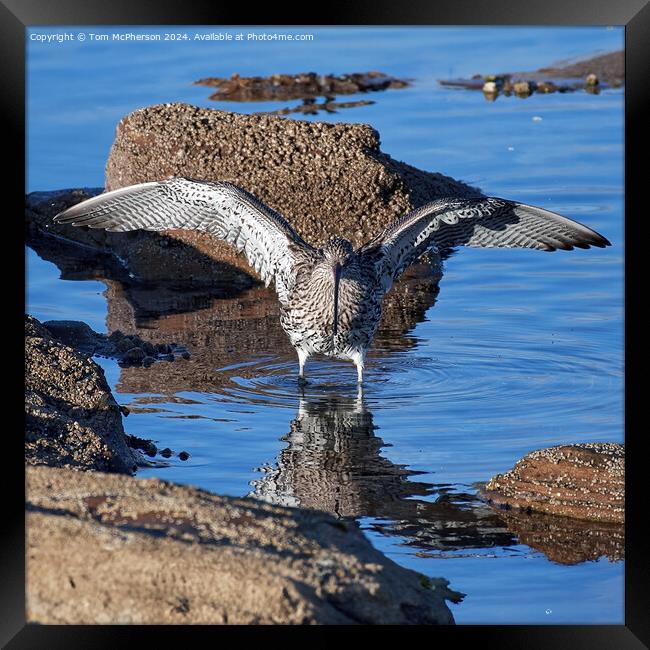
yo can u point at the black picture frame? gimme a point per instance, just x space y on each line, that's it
16 15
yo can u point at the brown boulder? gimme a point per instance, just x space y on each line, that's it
325 179
72 419
585 481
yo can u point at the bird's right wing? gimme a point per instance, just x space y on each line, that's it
483 222
221 209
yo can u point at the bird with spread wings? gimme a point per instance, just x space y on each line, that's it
330 297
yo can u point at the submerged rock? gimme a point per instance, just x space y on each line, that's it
112 549
129 350
298 86
72 419
585 481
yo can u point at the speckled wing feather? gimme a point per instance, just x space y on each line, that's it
221 209
483 222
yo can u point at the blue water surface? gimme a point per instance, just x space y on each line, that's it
522 349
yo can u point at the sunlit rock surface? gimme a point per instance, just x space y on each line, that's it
147 551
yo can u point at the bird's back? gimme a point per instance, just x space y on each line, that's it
308 316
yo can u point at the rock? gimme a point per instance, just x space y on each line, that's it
546 87
148 361
166 452
307 85
490 87
585 481
341 182
522 88
183 455
112 549
72 420
607 69
133 356
124 344
76 334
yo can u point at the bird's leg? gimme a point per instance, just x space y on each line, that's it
358 358
302 359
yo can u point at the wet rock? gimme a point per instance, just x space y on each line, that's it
72 420
183 455
522 88
75 334
274 565
607 70
140 443
148 361
185 355
546 87
298 86
166 452
124 344
585 481
151 449
133 356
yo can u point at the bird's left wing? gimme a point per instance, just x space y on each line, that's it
483 222
221 209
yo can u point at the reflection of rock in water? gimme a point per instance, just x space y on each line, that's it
566 540
223 332
333 463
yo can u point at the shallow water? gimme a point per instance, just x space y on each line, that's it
518 350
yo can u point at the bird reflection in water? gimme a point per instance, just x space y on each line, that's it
333 462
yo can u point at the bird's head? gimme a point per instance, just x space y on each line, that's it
338 251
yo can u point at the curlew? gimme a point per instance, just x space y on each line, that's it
330 297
